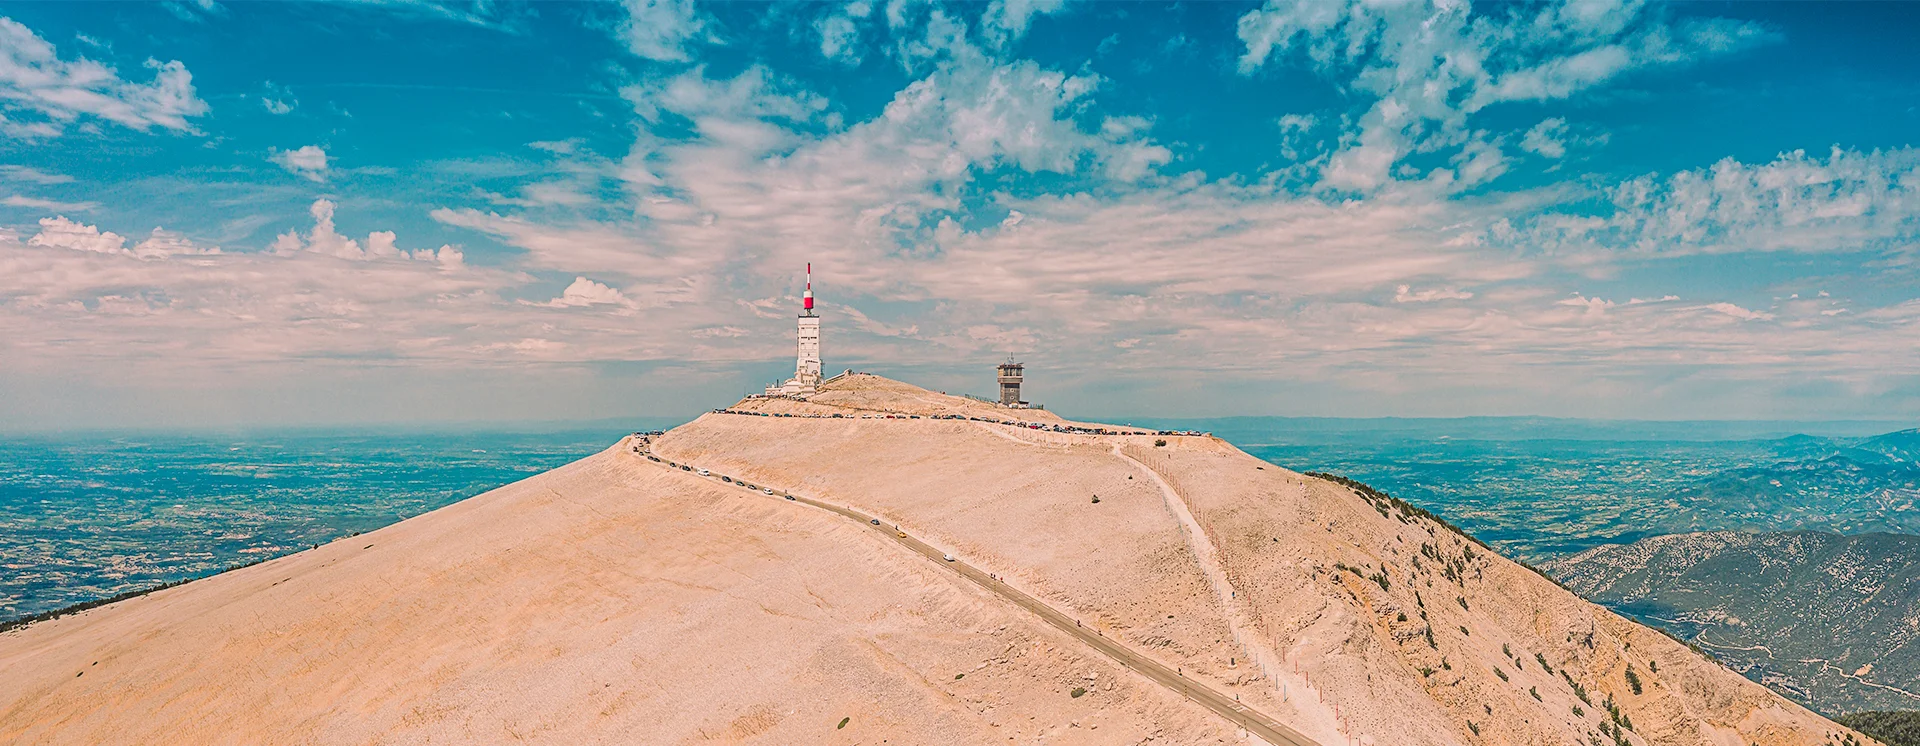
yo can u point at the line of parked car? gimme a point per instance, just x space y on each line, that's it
1044 427
644 440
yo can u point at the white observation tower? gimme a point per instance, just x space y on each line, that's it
806 366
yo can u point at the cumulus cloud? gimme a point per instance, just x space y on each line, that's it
1548 138
308 161
61 233
182 310
41 94
1430 65
66 234
750 178
584 292
324 239
839 32
661 29
1592 306
1007 20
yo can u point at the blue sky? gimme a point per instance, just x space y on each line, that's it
282 212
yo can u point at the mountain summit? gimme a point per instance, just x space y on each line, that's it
947 571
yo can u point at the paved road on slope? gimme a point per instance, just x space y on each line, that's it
1255 722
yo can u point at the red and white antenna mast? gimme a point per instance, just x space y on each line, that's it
806 300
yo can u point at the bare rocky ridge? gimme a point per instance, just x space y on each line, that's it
617 599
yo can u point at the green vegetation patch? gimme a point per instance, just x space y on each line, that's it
1895 728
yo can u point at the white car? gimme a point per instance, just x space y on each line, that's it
769 490
705 473
949 557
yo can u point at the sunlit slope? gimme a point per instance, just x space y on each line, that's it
612 600
619 599
1399 628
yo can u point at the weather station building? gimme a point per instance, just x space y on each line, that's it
1010 378
1011 374
806 367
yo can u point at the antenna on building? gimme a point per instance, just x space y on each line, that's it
806 299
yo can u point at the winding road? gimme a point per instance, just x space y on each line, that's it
1253 721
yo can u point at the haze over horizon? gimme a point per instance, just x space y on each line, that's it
361 212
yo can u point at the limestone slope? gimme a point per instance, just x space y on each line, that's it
1242 573
618 599
609 601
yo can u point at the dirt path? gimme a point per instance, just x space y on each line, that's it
1241 620
1253 721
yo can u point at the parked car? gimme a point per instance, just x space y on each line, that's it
949 557
875 521
789 497
705 473
768 490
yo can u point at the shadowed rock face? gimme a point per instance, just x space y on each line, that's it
617 599
1831 620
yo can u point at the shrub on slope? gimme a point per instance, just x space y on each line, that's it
1892 728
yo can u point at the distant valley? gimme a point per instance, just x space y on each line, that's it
1830 620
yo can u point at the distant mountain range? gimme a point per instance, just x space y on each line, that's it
1847 479
1829 619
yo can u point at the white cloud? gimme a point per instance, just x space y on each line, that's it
162 243
661 29
307 161
1849 201
1738 312
192 10
1548 138
1114 270
47 204
324 239
839 32
1431 64
278 99
584 292
1298 122
32 175
1406 294
62 233
52 93
1592 306
1007 20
